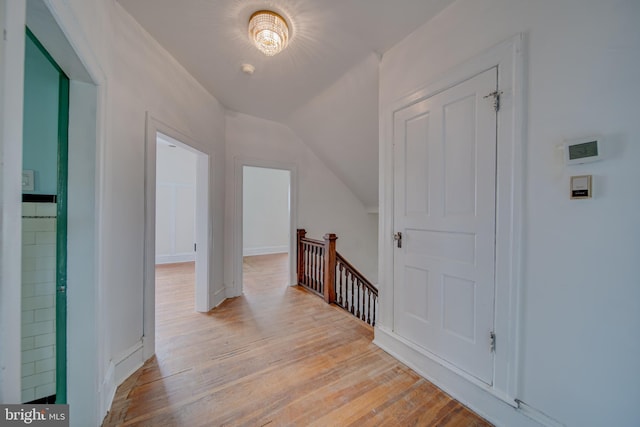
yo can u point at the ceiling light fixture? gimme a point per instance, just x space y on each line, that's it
268 31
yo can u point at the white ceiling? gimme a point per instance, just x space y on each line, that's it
330 38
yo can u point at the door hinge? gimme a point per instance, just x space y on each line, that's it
496 99
492 341
194 247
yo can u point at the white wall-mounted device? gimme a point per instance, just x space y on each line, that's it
581 187
582 150
28 182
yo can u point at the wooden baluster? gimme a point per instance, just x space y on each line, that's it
352 300
373 322
316 256
369 307
309 266
321 282
339 296
329 274
361 305
307 262
319 268
358 298
301 234
310 261
315 269
346 291
304 263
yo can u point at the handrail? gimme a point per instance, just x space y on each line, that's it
360 276
323 271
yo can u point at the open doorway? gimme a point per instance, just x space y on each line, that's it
181 223
266 228
160 134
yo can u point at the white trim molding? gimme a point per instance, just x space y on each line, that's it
175 258
265 250
488 401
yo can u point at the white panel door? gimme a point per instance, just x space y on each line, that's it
444 206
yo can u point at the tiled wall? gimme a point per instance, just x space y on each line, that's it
38 300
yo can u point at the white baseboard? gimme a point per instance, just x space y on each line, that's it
480 400
172 259
265 250
218 297
128 362
120 368
107 392
539 416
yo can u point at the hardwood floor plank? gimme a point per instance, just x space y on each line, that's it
276 356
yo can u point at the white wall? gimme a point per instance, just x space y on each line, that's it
175 204
580 294
139 76
340 125
325 204
265 210
12 19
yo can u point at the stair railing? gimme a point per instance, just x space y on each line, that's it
323 271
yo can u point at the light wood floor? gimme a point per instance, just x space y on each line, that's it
276 356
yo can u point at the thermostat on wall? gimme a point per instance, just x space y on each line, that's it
583 150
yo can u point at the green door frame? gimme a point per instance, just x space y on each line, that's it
61 226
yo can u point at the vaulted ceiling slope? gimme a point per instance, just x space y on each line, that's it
321 85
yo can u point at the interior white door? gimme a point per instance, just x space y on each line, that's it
444 206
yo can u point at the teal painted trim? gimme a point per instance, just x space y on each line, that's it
61 242
35 41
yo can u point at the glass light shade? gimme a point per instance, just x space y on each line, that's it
268 31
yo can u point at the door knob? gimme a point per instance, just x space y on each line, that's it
398 238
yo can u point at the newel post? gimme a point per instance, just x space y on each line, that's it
330 267
300 267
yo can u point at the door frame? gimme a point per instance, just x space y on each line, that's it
204 229
239 164
509 59
62 169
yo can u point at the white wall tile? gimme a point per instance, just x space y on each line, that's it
46 390
28 343
45 365
28 316
28 264
38 328
38 224
28 290
28 394
46 209
45 263
28 237
34 303
37 354
45 288
28 209
28 369
38 276
37 379
45 314
38 304
45 237
34 251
